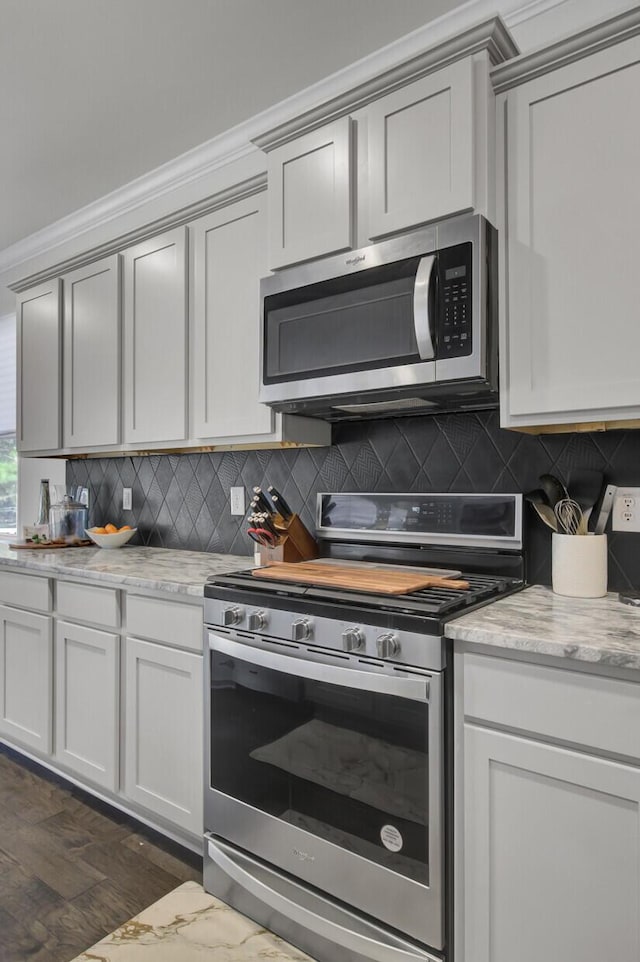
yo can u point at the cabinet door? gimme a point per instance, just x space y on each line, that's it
163 732
38 356
92 355
551 853
26 659
573 208
310 195
87 704
229 259
421 151
155 339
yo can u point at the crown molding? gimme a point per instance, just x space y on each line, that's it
567 50
490 35
191 166
237 143
531 10
176 218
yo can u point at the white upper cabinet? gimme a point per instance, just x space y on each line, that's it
155 339
420 155
38 356
310 195
572 339
91 383
410 146
229 251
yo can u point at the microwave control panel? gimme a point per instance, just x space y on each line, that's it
454 296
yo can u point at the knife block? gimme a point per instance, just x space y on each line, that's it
296 543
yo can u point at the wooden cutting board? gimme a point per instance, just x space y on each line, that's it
51 545
356 579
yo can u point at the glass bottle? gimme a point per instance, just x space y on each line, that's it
45 502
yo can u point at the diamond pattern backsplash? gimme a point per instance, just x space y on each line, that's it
182 501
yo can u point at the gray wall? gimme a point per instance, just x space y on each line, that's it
182 501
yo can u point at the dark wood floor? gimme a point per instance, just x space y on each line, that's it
72 869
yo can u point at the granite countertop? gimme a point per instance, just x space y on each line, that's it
601 631
163 569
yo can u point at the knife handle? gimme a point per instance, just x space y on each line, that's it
279 502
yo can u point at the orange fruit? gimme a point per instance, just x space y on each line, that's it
125 527
110 529
99 530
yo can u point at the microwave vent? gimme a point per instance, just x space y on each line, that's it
382 407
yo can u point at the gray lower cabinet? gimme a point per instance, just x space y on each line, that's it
26 655
547 812
87 702
163 722
552 852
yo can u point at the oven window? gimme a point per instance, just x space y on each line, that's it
340 326
347 765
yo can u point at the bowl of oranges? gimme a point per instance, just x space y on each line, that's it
108 536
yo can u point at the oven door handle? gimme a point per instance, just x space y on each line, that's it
414 687
421 319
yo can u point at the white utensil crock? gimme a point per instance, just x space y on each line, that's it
579 565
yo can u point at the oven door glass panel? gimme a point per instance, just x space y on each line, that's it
347 765
328 328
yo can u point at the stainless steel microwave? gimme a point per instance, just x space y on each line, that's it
405 325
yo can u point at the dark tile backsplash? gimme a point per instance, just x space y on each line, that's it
182 501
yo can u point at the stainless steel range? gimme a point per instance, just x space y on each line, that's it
328 783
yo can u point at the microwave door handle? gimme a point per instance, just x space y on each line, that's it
421 319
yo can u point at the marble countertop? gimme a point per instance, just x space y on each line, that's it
601 631
162 569
188 925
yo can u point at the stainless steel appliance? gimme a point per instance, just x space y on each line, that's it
408 324
327 775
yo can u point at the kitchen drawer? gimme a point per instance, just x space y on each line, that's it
98 606
180 625
25 591
568 706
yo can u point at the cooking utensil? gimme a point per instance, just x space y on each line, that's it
569 516
546 514
553 488
540 504
602 510
584 487
281 505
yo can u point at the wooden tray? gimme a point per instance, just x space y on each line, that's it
33 546
355 579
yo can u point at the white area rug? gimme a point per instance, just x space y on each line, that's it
189 925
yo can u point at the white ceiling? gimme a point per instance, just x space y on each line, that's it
94 93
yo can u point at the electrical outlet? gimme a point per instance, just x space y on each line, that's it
237 500
126 499
626 510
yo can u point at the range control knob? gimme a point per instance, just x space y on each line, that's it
352 639
258 620
232 616
387 645
302 629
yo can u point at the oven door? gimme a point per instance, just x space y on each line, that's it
370 331
331 769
